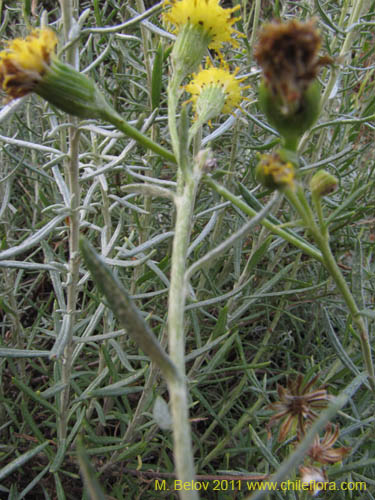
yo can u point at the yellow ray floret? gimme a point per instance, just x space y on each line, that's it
273 172
221 78
24 61
208 15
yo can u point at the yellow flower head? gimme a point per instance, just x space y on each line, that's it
216 78
24 62
208 15
273 172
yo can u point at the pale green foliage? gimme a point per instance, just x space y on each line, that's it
257 313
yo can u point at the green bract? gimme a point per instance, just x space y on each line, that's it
323 183
291 125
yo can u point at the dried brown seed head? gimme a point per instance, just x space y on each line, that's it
288 55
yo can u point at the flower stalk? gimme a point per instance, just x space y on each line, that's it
321 238
290 97
242 205
199 25
189 176
31 65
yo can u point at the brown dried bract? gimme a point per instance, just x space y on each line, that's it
288 55
322 450
297 405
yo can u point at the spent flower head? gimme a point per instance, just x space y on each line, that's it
289 93
288 55
322 450
214 91
297 405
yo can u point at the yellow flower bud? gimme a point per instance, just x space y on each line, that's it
274 172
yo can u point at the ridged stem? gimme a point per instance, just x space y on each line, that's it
321 237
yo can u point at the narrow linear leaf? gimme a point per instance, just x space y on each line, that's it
22 353
34 395
21 460
88 473
156 79
32 240
338 347
125 311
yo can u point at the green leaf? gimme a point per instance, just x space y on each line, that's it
88 473
21 460
156 79
161 414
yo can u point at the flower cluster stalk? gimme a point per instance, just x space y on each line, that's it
238 202
291 99
320 235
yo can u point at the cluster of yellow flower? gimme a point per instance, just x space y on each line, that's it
25 63
213 90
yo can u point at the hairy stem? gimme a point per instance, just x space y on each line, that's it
177 296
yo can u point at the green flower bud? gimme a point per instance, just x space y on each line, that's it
291 124
209 104
275 173
323 183
188 50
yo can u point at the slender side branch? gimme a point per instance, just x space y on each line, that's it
299 243
321 237
111 116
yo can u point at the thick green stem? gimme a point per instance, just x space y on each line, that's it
331 265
